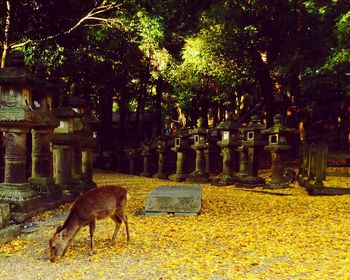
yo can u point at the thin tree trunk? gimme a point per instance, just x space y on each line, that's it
158 107
266 86
5 43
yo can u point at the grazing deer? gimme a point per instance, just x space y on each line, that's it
95 204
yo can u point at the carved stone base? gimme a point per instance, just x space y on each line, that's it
24 202
162 176
49 192
145 174
177 177
198 176
282 185
224 180
250 182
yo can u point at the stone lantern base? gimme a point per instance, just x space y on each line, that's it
24 202
178 177
224 180
198 176
250 182
282 185
161 176
48 191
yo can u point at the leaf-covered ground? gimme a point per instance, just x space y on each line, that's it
240 234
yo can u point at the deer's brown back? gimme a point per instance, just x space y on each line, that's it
99 203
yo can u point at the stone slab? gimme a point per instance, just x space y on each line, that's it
180 201
9 233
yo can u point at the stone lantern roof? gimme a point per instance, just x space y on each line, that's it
278 127
229 124
64 111
16 73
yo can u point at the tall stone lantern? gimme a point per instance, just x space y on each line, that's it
200 136
16 120
277 144
228 143
63 142
146 154
252 145
161 151
83 150
181 145
41 178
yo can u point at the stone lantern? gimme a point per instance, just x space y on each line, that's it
131 154
200 136
229 140
146 153
161 150
83 150
63 141
252 144
41 178
181 145
277 144
16 119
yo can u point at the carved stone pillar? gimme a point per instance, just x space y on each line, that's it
15 190
42 170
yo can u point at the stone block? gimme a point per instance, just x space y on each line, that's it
9 233
180 201
5 214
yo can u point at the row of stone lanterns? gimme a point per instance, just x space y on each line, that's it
238 144
63 130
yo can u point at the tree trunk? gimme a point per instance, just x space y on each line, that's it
266 87
158 107
122 108
106 116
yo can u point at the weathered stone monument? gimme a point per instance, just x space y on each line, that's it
146 153
200 135
63 142
16 120
252 145
7 231
277 144
41 179
83 155
131 154
161 150
229 134
181 146
176 200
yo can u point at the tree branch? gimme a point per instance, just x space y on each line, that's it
90 16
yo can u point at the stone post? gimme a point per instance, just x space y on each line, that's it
67 157
42 169
16 119
229 134
131 154
199 175
161 150
15 190
252 144
277 144
181 146
146 153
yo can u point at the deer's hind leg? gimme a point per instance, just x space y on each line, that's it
118 218
92 227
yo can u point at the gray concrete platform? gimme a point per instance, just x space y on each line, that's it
176 200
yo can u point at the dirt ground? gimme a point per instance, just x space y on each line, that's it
240 234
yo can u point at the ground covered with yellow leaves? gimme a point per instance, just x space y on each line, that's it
240 234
